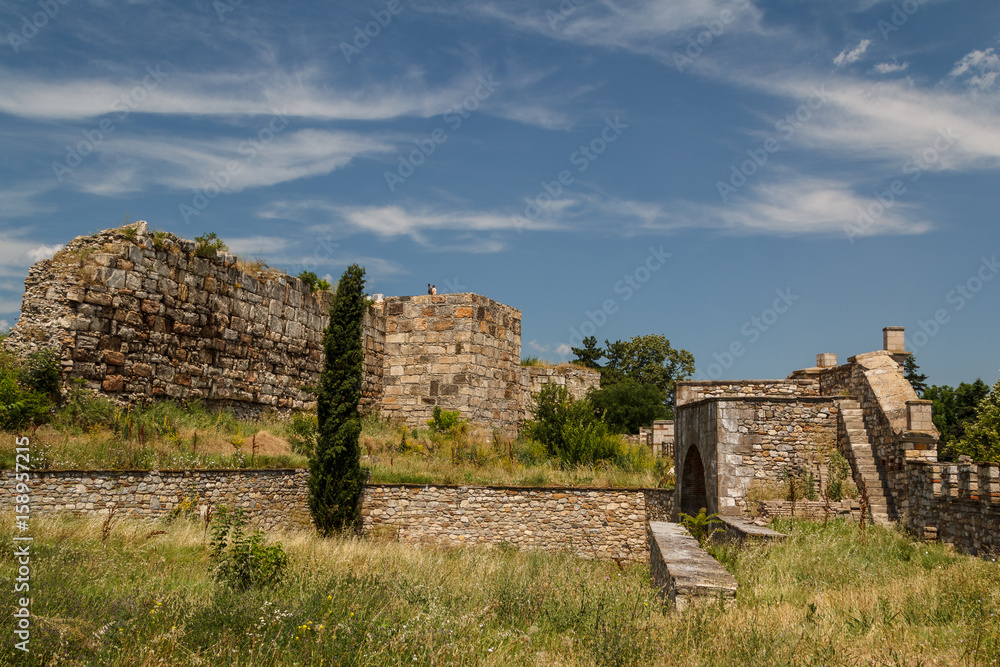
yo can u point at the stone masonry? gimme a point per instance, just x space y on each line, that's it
140 315
595 523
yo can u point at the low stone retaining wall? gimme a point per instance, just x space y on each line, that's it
594 522
273 498
813 510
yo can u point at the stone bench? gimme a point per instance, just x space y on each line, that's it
682 571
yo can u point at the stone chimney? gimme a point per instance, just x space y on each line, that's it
826 360
893 341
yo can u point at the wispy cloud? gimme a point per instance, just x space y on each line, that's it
849 56
890 67
133 163
304 94
649 27
981 69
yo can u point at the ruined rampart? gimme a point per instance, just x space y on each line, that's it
140 315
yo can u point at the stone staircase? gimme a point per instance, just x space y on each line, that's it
853 439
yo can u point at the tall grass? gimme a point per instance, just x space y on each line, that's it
823 597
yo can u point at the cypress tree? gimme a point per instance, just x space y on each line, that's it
335 473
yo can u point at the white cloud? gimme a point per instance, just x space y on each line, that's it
983 68
43 252
846 57
538 347
795 204
890 67
891 123
564 349
652 27
4 325
305 94
131 164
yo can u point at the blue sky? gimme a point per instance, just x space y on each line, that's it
758 181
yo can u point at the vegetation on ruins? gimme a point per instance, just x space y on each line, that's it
335 473
208 245
821 597
315 282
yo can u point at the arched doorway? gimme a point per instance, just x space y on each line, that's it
693 495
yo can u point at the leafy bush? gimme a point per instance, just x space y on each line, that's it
28 389
208 245
315 282
20 407
445 421
43 373
571 430
241 559
301 431
532 361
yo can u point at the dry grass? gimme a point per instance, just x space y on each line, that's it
824 597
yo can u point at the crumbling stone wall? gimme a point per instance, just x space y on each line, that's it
140 315
272 498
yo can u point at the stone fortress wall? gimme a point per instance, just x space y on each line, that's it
139 315
732 434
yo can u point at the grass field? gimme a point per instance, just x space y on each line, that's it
168 436
825 597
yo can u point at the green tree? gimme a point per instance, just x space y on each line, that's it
982 437
335 473
647 360
917 380
954 412
589 353
626 406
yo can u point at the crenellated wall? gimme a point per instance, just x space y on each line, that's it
955 503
